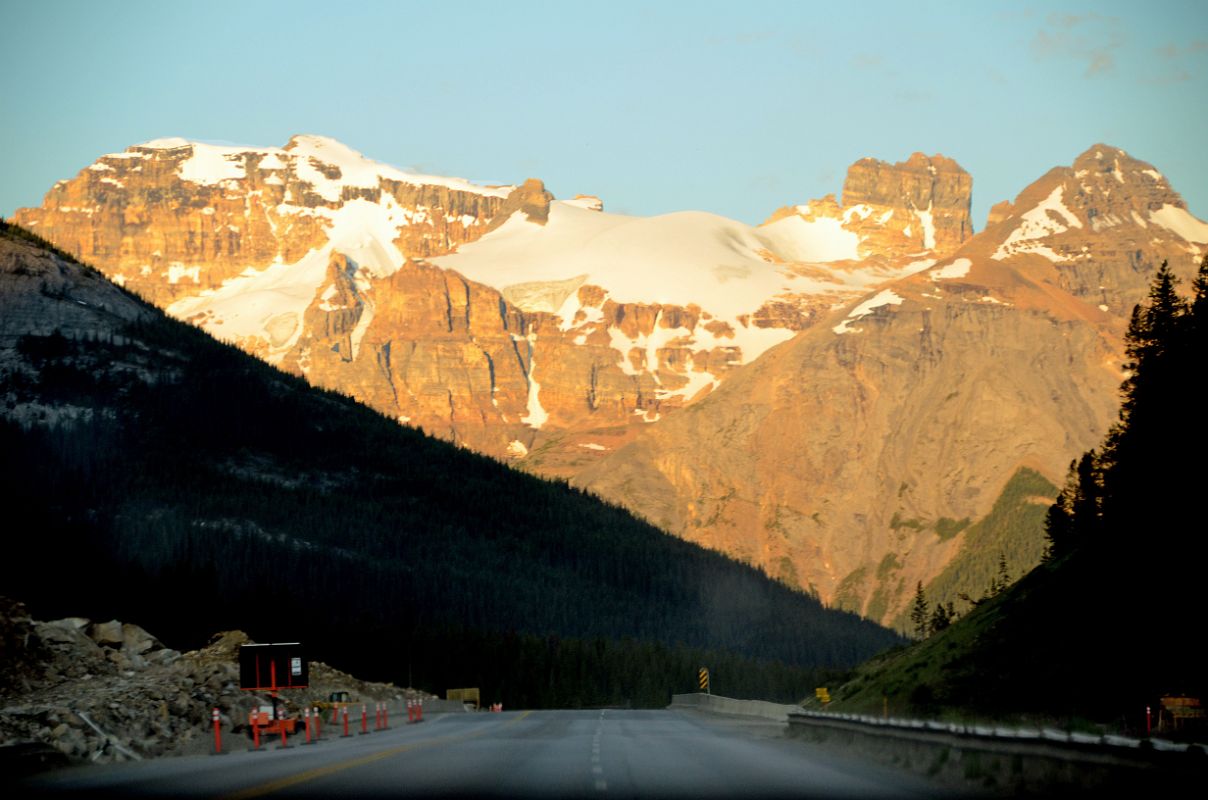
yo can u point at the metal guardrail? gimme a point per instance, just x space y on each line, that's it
993 733
1011 761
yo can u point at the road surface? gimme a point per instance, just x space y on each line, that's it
579 754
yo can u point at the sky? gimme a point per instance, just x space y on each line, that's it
735 108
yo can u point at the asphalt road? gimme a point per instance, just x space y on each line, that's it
599 754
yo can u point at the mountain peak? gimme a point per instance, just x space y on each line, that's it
531 197
934 189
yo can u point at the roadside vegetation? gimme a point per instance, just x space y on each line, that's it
1112 620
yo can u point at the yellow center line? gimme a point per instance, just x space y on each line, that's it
322 772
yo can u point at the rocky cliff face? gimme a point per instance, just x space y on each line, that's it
911 208
833 460
495 316
172 219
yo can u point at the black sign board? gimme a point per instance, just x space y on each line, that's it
269 667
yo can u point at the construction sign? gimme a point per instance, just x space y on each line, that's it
822 694
270 667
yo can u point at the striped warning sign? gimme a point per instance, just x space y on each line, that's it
704 679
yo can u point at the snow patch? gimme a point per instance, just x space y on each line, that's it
177 270
593 446
365 232
883 298
267 304
860 210
357 170
820 240
714 262
212 164
928 224
536 416
697 382
957 269
516 449
589 202
1181 222
1038 223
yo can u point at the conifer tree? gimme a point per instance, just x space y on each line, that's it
1059 520
918 613
940 619
1135 464
1003 579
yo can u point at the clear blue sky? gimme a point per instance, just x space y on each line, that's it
735 108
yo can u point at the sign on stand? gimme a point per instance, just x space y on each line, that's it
272 667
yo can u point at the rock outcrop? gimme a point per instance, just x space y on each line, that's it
915 207
530 199
111 691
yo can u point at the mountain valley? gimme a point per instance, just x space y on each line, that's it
836 396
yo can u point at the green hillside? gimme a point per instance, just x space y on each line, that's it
1012 532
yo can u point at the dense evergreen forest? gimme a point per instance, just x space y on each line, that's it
196 489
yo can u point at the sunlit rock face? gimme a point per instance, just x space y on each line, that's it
496 316
832 460
783 392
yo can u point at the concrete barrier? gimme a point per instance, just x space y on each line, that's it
434 705
728 705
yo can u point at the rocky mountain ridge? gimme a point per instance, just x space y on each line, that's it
563 320
555 333
1006 354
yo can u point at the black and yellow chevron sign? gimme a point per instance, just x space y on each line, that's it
704 679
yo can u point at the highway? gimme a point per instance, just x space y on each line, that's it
579 754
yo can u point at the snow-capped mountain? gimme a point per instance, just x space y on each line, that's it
854 459
863 374
497 316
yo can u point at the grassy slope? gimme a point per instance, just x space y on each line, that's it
1014 529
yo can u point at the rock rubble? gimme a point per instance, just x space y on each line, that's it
111 692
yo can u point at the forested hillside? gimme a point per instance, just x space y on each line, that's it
1113 618
152 474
